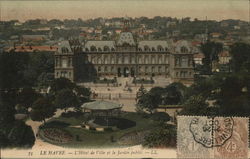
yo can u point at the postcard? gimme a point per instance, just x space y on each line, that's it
124 78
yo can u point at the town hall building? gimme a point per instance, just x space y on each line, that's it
124 57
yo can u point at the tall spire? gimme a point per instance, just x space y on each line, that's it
206 32
126 24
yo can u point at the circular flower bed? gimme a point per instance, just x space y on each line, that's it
55 135
133 138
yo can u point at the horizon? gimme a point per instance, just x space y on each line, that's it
218 10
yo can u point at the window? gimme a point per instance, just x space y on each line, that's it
153 49
112 60
64 63
159 48
177 74
177 62
159 69
153 59
106 48
99 49
99 69
99 60
106 59
184 49
160 59
184 61
92 48
146 48
146 59
140 59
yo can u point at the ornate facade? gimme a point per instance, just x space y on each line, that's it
124 58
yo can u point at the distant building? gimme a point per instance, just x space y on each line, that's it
32 49
198 58
28 38
215 35
224 57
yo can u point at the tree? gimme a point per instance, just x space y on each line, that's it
11 70
42 109
211 51
83 94
233 97
27 97
195 105
7 112
240 57
21 135
147 102
59 84
174 94
164 136
140 92
66 98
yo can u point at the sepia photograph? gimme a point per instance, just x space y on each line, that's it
124 78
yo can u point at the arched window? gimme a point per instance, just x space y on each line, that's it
159 48
160 59
64 50
146 48
99 49
99 60
106 59
112 59
139 49
86 49
153 59
146 59
184 49
106 48
153 49
140 59
92 48
166 49
113 49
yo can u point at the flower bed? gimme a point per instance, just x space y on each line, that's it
55 135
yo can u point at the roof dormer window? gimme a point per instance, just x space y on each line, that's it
184 49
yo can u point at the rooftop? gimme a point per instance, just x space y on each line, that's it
101 105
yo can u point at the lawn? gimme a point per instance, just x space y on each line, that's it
87 138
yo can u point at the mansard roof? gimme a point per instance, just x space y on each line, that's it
183 46
64 47
153 45
126 38
100 45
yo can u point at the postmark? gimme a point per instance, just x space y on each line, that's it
187 147
201 127
237 145
212 137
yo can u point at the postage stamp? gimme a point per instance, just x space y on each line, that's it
212 137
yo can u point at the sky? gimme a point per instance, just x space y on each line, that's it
87 9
